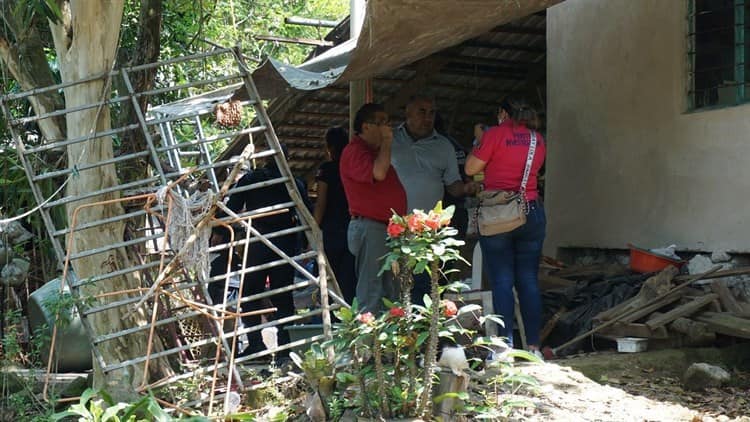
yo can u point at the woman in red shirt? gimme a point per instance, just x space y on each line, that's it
512 258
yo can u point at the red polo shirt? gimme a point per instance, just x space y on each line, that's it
504 148
368 197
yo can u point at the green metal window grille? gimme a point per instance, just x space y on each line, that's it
717 70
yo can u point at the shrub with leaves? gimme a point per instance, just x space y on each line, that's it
378 357
381 376
98 406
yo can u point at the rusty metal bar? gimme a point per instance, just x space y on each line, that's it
117 273
106 221
131 242
137 299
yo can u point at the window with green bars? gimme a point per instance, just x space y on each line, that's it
717 48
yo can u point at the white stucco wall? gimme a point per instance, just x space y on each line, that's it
626 162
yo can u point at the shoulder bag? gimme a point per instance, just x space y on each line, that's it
501 211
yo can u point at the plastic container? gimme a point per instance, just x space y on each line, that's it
72 345
631 344
644 261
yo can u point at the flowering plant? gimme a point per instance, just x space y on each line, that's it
376 369
420 238
379 374
418 242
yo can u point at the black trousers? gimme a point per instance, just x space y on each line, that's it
254 283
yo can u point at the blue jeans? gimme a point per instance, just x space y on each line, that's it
512 259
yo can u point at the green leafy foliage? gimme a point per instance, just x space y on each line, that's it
394 343
376 369
98 406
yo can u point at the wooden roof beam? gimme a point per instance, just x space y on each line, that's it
322 115
487 74
295 126
324 102
295 152
504 47
303 165
516 29
425 70
300 139
489 61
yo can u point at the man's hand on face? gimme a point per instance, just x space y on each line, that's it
386 135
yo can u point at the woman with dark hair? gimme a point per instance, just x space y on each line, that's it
332 213
503 115
512 258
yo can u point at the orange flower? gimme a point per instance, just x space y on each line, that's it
433 221
450 308
395 229
414 222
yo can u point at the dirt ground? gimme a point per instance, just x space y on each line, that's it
611 386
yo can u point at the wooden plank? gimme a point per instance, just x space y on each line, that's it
728 302
683 310
650 289
718 274
653 307
550 325
633 329
725 323
695 332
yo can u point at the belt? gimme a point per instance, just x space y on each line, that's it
361 217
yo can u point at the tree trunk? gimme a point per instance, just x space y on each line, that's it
86 42
24 56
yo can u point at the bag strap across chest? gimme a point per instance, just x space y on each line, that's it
529 161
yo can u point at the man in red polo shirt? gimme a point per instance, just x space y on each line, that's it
373 191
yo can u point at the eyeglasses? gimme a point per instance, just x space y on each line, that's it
383 123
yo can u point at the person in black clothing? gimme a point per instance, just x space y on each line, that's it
460 216
278 276
332 213
220 266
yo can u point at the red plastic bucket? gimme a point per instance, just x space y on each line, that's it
645 261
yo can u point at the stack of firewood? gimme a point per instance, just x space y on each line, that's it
677 309
610 301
